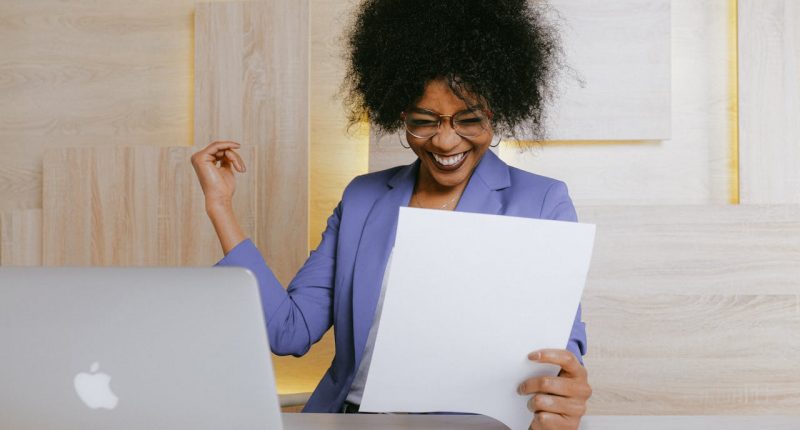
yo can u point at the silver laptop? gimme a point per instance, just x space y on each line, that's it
134 348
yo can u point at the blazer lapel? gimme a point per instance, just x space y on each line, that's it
479 196
377 240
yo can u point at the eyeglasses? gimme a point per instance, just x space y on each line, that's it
424 124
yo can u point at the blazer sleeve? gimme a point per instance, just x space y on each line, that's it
558 206
299 316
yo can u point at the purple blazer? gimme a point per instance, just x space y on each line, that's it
340 282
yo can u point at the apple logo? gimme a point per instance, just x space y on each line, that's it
94 389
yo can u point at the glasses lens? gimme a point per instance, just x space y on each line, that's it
470 123
421 124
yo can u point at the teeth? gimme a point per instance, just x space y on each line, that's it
449 161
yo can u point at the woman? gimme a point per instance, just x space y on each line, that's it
452 74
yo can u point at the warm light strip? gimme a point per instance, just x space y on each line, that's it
733 98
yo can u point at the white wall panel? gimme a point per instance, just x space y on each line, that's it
620 50
769 91
694 166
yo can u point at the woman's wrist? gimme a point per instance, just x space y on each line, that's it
225 224
219 208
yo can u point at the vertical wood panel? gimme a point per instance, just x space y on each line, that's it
186 236
99 206
769 91
251 85
21 238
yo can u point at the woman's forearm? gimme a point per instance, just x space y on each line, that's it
227 227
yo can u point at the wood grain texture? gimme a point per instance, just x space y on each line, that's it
694 309
692 354
186 236
251 86
769 101
337 156
131 206
708 250
21 238
89 73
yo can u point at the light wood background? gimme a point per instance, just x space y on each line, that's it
694 309
690 309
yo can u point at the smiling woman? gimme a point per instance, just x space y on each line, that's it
452 74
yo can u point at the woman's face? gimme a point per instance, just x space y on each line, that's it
447 158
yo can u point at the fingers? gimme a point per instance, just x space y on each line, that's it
551 421
558 386
220 151
230 157
560 357
557 405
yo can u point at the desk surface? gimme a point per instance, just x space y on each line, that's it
474 422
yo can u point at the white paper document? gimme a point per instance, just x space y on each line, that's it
467 297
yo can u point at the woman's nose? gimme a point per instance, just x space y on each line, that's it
446 139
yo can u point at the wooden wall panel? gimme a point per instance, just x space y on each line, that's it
89 73
131 206
337 156
98 206
21 238
769 101
186 236
251 85
693 354
694 310
708 250
620 50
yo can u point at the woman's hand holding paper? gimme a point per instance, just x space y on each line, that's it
558 402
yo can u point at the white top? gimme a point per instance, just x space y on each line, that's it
357 387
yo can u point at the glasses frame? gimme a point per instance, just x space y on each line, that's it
439 116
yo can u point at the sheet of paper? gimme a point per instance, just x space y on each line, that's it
468 296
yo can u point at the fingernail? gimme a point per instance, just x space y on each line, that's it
534 356
519 389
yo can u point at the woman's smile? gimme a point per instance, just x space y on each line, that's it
449 163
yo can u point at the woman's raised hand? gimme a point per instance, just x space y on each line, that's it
214 166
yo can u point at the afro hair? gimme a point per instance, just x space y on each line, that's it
503 53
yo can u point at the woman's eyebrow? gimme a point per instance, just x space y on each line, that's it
424 110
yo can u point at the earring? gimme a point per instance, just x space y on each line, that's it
399 137
498 142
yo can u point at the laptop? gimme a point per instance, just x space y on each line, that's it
134 348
